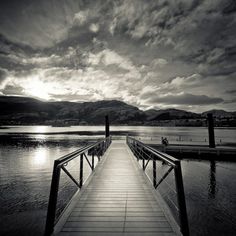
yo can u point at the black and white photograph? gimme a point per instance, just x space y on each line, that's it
117 117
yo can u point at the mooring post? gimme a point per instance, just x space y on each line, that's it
107 126
211 130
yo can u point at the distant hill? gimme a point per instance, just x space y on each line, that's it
28 110
170 114
24 110
220 113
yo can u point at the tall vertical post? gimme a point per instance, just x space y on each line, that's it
181 200
107 126
211 130
51 215
81 170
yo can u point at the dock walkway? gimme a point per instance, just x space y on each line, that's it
116 201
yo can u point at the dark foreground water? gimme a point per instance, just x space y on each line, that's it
25 173
210 191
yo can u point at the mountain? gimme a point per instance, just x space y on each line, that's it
220 113
170 114
25 110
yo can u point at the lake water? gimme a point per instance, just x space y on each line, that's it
26 161
181 135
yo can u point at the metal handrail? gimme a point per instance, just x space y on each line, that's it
97 149
145 152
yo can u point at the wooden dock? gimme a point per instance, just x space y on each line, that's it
196 151
116 200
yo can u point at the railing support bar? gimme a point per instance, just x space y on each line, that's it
88 161
164 176
146 164
68 173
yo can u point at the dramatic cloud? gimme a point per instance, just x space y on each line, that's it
233 91
3 75
157 53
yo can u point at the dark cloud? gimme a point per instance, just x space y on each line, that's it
230 7
3 75
233 91
114 69
13 90
43 22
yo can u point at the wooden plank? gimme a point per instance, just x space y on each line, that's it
117 234
117 201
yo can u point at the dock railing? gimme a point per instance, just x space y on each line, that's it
147 154
94 150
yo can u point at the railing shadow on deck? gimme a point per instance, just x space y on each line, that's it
147 155
94 150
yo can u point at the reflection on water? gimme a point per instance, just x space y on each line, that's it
40 129
39 157
212 177
210 195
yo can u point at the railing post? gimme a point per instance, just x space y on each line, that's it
93 161
181 200
154 172
143 163
52 204
81 170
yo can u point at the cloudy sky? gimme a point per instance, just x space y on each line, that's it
148 53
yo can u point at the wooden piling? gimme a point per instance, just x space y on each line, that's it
107 126
211 130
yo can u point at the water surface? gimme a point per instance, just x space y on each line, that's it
26 161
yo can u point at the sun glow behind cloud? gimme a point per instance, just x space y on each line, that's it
35 86
38 89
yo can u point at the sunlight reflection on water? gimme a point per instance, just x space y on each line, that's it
40 129
25 177
39 157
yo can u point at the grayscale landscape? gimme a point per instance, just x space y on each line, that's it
117 117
